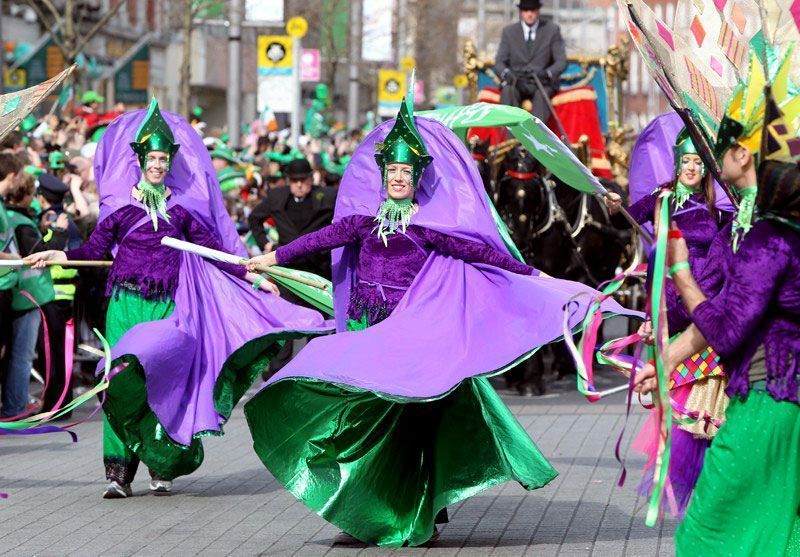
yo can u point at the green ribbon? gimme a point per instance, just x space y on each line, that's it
393 214
154 199
662 398
682 194
744 218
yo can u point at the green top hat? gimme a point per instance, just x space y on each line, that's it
222 151
55 160
90 97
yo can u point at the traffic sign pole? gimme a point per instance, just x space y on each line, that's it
297 28
298 91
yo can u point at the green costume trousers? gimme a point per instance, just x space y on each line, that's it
125 310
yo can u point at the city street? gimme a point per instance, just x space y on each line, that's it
232 506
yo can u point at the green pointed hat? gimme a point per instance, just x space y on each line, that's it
404 143
154 135
684 146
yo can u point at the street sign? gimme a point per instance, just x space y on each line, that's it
310 65
408 63
15 79
391 89
460 81
297 27
277 85
274 55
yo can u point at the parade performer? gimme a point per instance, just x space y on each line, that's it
188 336
751 474
696 214
385 425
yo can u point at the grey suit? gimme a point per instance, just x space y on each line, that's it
547 56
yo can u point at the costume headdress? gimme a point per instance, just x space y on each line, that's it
154 134
684 146
403 144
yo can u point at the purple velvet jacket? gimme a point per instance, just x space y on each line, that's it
384 273
142 263
759 303
699 228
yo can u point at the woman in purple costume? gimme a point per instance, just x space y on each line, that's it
386 423
695 213
188 337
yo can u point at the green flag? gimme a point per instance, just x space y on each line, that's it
537 138
317 297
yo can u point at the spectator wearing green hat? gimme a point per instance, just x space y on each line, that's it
230 174
91 109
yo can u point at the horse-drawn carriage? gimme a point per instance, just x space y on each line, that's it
564 232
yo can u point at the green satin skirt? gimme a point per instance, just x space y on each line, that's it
382 469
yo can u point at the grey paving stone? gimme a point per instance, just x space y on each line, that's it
232 506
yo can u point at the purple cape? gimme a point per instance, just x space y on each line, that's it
653 160
457 320
215 314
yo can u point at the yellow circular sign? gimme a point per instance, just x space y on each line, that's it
460 81
297 27
408 63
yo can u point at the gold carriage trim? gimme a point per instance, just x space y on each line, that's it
574 96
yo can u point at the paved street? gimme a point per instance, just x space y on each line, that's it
232 506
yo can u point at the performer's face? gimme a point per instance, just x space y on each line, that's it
398 181
737 165
156 167
529 16
692 171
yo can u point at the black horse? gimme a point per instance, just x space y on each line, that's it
561 231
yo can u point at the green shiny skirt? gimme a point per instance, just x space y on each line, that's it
128 413
382 469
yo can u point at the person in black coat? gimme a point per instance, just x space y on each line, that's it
532 47
296 210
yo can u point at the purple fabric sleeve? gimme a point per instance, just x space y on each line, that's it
332 236
99 243
475 252
199 234
643 210
749 289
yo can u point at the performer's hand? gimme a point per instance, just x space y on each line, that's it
263 283
37 260
266 260
645 381
677 248
271 287
613 202
646 332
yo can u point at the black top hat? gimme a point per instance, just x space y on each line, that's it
298 169
529 4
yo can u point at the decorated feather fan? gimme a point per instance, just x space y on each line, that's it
716 50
